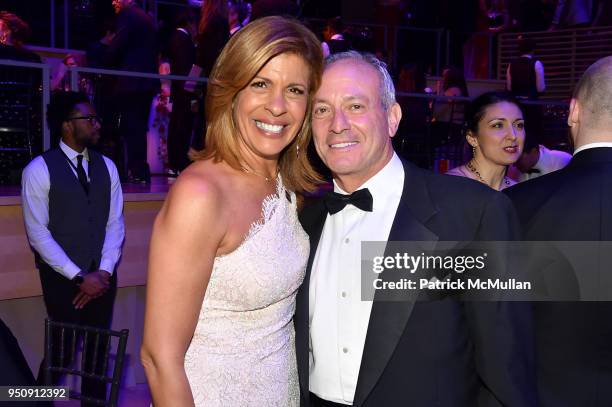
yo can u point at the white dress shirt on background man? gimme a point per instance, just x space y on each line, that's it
35 186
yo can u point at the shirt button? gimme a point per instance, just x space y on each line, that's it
345 350
347 240
343 294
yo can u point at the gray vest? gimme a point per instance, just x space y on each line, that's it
77 220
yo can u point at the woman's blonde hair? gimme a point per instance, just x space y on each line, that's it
242 58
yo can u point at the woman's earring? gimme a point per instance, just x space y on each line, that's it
297 150
473 151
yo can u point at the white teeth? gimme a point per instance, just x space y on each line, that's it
342 145
269 127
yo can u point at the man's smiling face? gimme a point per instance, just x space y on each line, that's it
352 130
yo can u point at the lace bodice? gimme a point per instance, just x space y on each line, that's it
242 352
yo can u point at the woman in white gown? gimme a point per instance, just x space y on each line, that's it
228 253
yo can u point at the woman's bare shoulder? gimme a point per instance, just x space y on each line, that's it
199 188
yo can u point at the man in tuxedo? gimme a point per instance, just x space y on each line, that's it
134 48
443 352
573 340
181 55
73 211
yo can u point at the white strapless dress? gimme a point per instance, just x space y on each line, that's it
243 349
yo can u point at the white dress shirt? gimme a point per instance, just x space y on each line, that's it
337 315
35 185
549 161
592 145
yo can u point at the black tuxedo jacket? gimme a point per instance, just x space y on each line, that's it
181 55
443 352
573 340
134 48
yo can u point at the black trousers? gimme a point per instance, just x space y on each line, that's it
133 117
58 293
179 129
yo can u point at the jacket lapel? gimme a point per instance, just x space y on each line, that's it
388 318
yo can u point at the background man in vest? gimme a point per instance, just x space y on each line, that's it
525 74
73 212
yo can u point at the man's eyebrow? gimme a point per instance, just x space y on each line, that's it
344 99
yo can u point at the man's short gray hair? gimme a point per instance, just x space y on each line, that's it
387 89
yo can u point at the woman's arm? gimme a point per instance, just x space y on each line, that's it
186 235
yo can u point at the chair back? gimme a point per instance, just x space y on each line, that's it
61 341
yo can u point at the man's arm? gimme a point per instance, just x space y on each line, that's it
539 74
557 16
115 228
508 79
119 43
35 186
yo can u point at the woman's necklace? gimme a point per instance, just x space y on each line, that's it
251 171
470 165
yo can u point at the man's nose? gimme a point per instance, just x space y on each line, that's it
339 122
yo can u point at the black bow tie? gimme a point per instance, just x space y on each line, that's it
361 199
533 171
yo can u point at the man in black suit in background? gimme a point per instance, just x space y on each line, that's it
134 48
181 55
574 340
443 352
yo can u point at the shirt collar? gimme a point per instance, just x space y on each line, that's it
70 153
337 37
181 29
387 182
592 145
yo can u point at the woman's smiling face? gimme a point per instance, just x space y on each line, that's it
270 110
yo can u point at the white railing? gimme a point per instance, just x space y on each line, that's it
73 73
565 55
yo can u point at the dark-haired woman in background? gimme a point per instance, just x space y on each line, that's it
496 133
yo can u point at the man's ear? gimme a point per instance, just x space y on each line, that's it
394 116
67 128
574 113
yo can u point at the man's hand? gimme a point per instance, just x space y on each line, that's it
93 286
81 300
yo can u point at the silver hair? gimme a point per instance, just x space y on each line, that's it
387 89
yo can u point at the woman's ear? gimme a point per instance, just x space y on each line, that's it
471 139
